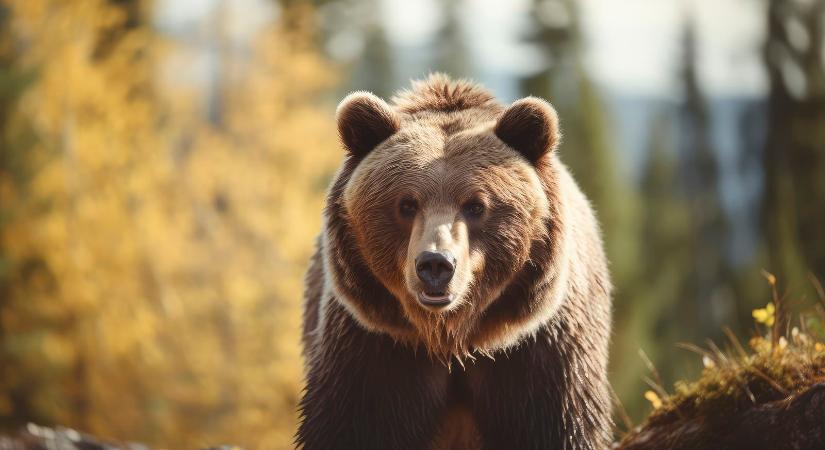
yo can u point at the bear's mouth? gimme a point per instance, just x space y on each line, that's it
434 298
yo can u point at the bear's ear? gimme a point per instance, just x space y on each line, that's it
531 127
364 121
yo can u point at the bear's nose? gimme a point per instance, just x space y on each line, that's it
435 270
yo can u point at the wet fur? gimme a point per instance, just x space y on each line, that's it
521 363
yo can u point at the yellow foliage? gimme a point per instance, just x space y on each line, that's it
654 399
157 256
765 315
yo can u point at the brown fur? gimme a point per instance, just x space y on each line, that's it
439 93
519 358
530 125
374 119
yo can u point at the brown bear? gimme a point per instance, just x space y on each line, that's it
459 297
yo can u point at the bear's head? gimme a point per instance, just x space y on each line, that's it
444 226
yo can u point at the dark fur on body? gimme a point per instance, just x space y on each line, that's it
520 362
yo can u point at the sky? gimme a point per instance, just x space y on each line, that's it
631 41
632 46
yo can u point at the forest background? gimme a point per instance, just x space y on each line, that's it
163 165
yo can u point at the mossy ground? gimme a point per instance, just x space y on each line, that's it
783 359
768 371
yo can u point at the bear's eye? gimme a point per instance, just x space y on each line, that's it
473 209
407 208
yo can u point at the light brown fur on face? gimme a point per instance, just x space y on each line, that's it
441 173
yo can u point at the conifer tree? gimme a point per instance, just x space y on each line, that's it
452 52
793 209
657 322
710 273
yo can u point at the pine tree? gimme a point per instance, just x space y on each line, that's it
793 210
657 321
710 273
372 67
450 46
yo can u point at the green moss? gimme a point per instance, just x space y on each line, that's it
734 382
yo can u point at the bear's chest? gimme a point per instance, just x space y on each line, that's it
457 428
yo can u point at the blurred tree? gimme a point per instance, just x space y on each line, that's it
710 295
684 291
16 166
375 67
452 52
154 259
657 322
133 16
48 344
666 244
554 30
355 36
793 211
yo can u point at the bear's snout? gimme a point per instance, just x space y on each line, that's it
435 270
